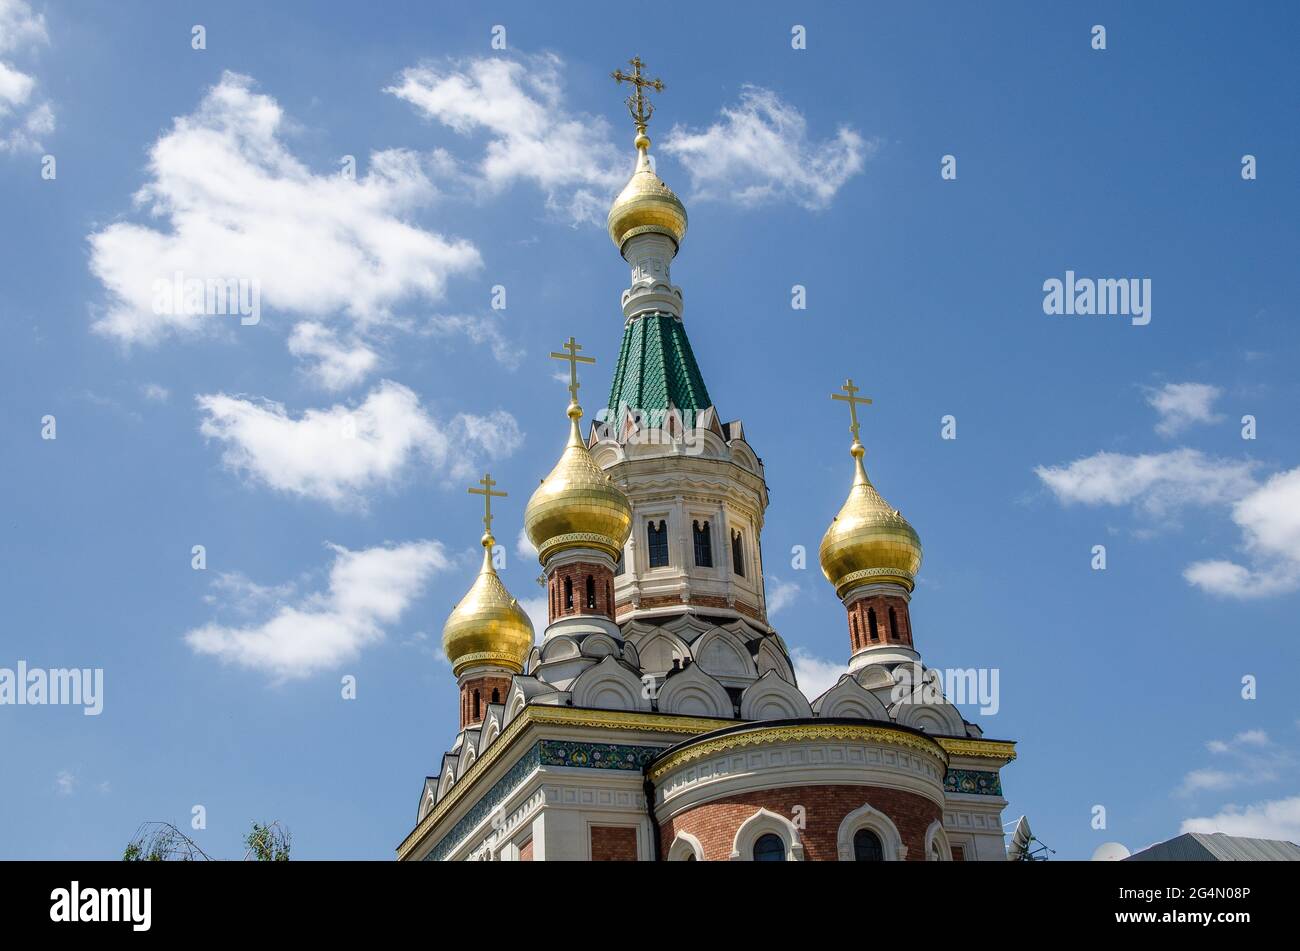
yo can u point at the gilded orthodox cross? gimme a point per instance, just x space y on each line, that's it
571 356
850 396
638 105
488 495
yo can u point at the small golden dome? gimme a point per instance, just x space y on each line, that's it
488 626
577 505
646 204
869 542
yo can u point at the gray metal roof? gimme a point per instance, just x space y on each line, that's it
1217 847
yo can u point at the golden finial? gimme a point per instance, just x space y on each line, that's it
640 107
488 495
571 348
850 396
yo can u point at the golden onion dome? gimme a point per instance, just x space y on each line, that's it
646 204
488 626
577 505
869 541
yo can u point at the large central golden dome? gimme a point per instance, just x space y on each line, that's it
488 626
646 204
577 505
869 542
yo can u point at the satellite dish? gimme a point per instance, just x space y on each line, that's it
1018 850
1110 852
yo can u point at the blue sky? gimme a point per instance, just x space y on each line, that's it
477 168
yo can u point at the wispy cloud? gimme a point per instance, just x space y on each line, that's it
228 201
478 330
532 136
1248 758
65 783
368 590
1156 483
1269 519
24 118
759 151
341 454
1182 405
335 365
781 594
1271 819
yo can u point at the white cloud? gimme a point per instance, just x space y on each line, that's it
815 675
368 590
524 547
1155 483
1249 758
23 120
337 365
235 204
65 784
760 151
536 610
1181 405
478 330
781 594
1269 519
1275 819
340 454
519 105
155 392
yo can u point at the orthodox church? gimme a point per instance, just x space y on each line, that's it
658 718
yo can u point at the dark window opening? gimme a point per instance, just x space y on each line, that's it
568 594
871 624
703 545
867 847
476 705
657 542
737 555
893 624
496 695
591 593
853 623
769 848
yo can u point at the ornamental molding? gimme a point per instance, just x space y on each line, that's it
799 733
577 540
504 659
988 749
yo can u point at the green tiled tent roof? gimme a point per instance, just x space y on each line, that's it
656 367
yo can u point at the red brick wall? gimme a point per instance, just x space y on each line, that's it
484 686
577 573
860 621
526 851
715 823
613 844
699 601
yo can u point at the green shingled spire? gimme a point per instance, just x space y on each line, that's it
656 367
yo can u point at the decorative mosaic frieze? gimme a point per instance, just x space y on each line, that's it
596 755
976 782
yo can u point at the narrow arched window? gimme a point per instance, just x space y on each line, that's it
568 594
591 593
703 545
737 554
476 704
867 847
872 626
609 600
893 625
769 848
496 695
657 543
853 624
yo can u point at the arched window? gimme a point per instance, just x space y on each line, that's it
871 624
476 704
769 848
496 695
893 625
867 847
657 543
737 554
689 858
568 594
609 599
853 624
703 545
591 593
